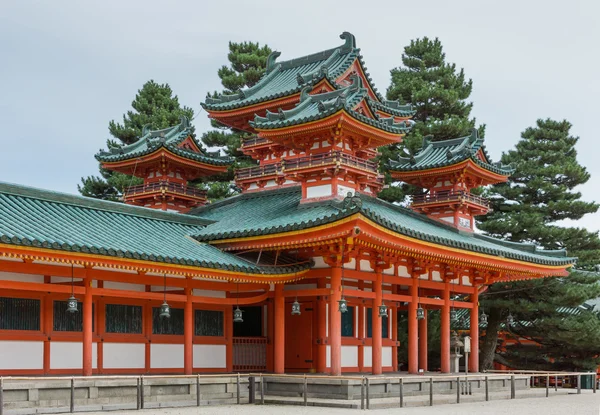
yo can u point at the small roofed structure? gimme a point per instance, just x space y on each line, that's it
166 159
449 170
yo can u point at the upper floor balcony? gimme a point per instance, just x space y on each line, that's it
135 192
443 197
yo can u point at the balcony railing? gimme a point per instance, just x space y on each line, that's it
450 196
258 171
167 187
254 141
331 157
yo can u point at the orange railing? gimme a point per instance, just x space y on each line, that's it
249 353
450 196
167 187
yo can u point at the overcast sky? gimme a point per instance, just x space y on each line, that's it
69 67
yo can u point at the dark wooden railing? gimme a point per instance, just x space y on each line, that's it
253 141
450 196
258 171
167 187
249 353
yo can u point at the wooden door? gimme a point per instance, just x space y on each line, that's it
298 338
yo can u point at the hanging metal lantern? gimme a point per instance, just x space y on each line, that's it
296 308
453 315
237 315
343 305
510 319
382 310
72 304
483 319
165 310
420 313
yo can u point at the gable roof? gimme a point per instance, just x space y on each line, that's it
169 138
286 78
319 106
62 222
444 153
276 211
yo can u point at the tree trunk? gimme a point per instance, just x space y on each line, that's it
490 340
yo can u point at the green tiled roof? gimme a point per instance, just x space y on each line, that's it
286 78
448 152
319 106
40 218
168 138
392 107
275 211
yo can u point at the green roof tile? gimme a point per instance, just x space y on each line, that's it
274 211
40 218
319 106
436 154
169 138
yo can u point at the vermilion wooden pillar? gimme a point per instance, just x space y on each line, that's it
376 324
279 335
321 330
445 331
394 317
87 328
413 332
335 321
423 343
474 356
188 334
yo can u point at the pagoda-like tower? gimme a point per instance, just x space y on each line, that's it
316 121
166 159
449 170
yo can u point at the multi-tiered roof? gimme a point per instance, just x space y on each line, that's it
318 120
166 159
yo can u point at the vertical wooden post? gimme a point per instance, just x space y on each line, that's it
376 324
321 330
1 396
362 393
401 386
578 384
512 387
262 390
474 356
87 326
431 391
137 401
423 343
594 382
72 406
394 317
555 383
487 389
368 395
458 389
142 403
335 321
251 389
547 386
445 331
361 326
188 334
279 335
413 331
305 391
198 394
238 389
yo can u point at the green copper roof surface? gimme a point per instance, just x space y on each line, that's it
286 78
275 211
168 138
319 106
39 218
448 152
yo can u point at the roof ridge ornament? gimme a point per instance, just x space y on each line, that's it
321 106
271 60
146 129
352 201
304 94
474 135
184 122
350 42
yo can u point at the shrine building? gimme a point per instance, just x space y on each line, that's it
305 271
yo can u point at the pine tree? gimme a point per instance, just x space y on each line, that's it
526 209
438 92
154 105
247 64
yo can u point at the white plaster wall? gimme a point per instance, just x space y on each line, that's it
318 191
365 265
448 219
21 355
124 286
163 356
389 271
270 183
367 356
213 356
15 276
328 356
349 356
69 355
350 264
296 287
435 276
465 280
402 271
344 190
386 356
124 355
319 263
209 293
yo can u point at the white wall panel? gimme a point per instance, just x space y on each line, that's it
386 356
163 356
213 356
69 355
349 356
124 286
328 356
16 276
209 293
124 355
21 355
367 356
